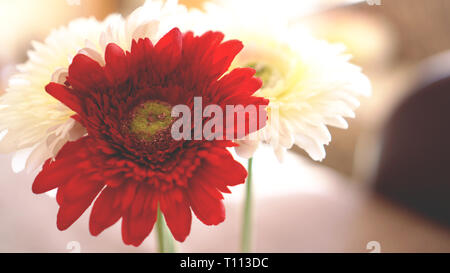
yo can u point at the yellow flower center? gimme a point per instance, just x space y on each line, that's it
149 120
265 72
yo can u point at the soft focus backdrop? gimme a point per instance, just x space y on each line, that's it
335 205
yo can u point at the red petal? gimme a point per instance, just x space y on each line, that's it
218 171
138 221
177 213
221 166
77 188
238 82
64 95
116 67
128 194
69 212
58 172
168 50
200 63
86 75
224 56
207 208
140 55
104 214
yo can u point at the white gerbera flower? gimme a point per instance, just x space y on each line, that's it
152 20
32 118
310 83
37 125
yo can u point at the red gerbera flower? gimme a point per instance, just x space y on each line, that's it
129 156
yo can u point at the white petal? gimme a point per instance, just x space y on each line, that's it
8 143
338 122
146 29
60 75
93 54
19 159
246 148
38 157
280 153
315 150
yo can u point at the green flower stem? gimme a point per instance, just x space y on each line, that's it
247 221
165 240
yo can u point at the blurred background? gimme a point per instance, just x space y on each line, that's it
383 185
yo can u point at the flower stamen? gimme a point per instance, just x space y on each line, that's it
149 121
